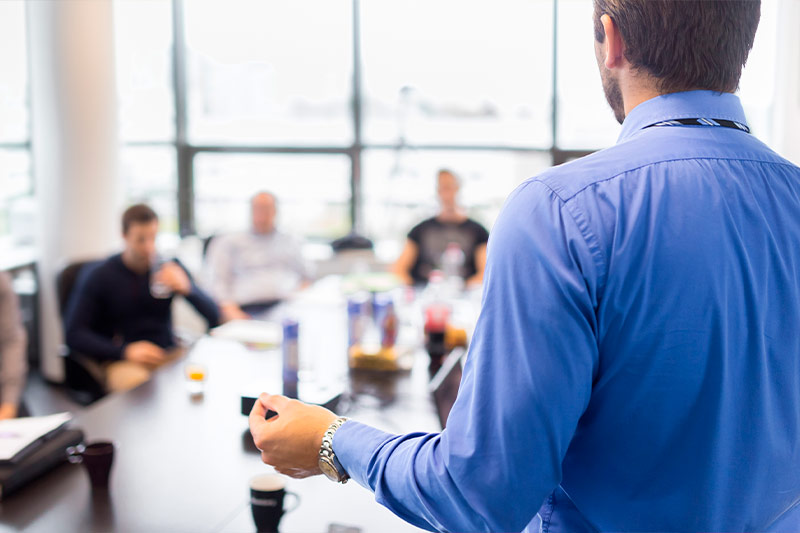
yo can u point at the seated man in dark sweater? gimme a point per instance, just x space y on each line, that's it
119 311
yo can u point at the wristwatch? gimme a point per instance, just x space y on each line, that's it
328 462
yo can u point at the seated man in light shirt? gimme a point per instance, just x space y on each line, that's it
249 272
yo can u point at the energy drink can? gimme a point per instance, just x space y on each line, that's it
355 321
291 353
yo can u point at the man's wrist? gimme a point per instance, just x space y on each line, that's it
328 462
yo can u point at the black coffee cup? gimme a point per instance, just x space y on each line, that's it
267 494
97 457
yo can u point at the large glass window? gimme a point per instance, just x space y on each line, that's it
313 192
454 72
148 176
757 87
14 123
17 210
266 96
144 41
400 186
277 73
585 120
143 33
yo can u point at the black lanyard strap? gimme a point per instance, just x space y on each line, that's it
716 122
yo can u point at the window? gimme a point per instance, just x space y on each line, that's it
313 192
585 120
756 87
317 99
16 183
148 176
269 72
400 186
143 33
454 72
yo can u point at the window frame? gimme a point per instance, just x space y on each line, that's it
186 151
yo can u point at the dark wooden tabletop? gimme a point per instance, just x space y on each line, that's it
183 463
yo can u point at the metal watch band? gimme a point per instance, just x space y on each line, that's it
326 450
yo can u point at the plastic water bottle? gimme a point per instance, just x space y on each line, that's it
452 267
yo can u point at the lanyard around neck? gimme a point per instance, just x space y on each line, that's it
714 122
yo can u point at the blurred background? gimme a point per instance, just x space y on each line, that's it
344 109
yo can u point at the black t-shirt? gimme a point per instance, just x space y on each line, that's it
432 237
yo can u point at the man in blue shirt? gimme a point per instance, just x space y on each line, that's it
636 363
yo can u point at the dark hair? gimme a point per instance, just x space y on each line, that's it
137 214
684 44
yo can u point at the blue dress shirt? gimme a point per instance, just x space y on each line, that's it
636 363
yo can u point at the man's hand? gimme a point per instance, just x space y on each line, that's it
144 352
231 311
174 277
291 440
8 410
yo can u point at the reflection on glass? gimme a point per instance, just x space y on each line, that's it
584 119
456 72
143 54
149 176
269 72
13 73
313 192
400 186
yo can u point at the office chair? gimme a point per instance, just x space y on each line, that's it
83 385
351 241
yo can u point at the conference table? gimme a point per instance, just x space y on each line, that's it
182 461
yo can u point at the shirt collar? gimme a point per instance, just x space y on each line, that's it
691 104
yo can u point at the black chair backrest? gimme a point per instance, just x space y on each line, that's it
65 282
351 241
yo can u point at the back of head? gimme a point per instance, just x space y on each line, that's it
684 44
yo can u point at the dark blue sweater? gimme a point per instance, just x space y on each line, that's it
111 306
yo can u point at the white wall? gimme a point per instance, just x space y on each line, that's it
74 146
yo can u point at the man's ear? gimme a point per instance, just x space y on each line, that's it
614 46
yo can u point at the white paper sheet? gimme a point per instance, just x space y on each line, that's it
17 433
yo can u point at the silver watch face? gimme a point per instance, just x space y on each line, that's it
328 469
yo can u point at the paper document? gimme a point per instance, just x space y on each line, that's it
250 332
17 434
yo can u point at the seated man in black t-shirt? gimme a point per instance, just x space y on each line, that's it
119 313
428 241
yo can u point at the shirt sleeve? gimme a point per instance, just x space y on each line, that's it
526 382
299 264
13 356
82 313
201 301
481 235
415 235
